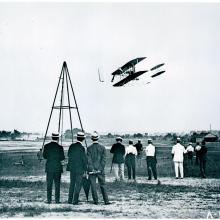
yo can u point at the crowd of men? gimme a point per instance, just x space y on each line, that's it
90 163
81 162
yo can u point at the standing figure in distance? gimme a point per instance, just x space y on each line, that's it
118 151
151 159
130 157
77 165
197 149
202 159
190 151
178 152
40 155
54 154
96 167
139 148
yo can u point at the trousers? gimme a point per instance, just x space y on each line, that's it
151 166
118 169
178 167
202 165
101 181
75 187
53 177
131 165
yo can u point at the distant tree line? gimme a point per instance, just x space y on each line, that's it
11 134
169 137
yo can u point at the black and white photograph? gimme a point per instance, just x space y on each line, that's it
110 109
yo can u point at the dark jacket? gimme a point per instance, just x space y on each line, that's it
139 147
96 157
54 154
118 151
77 160
202 152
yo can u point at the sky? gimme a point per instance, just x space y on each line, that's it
35 39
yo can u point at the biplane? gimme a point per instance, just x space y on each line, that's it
128 70
129 73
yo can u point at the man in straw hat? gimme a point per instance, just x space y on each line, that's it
77 165
178 151
96 168
118 151
54 154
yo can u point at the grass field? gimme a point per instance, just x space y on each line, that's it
23 190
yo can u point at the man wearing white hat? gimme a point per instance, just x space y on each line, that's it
118 151
77 165
151 159
54 154
178 151
96 166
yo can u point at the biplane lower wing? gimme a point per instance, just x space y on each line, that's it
157 74
128 65
129 78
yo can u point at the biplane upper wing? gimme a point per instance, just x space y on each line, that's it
157 66
157 74
129 78
128 65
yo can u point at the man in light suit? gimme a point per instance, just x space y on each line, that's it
178 152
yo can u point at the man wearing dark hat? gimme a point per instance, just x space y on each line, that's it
118 151
77 165
96 167
54 154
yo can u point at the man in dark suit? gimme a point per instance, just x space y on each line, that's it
54 154
118 151
139 148
96 167
77 165
202 155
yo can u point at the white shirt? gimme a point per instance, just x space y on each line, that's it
178 150
131 150
190 148
150 150
198 147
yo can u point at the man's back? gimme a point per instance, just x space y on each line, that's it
202 152
54 153
118 150
77 160
150 150
178 150
190 148
96 157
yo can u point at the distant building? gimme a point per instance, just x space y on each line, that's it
211 138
